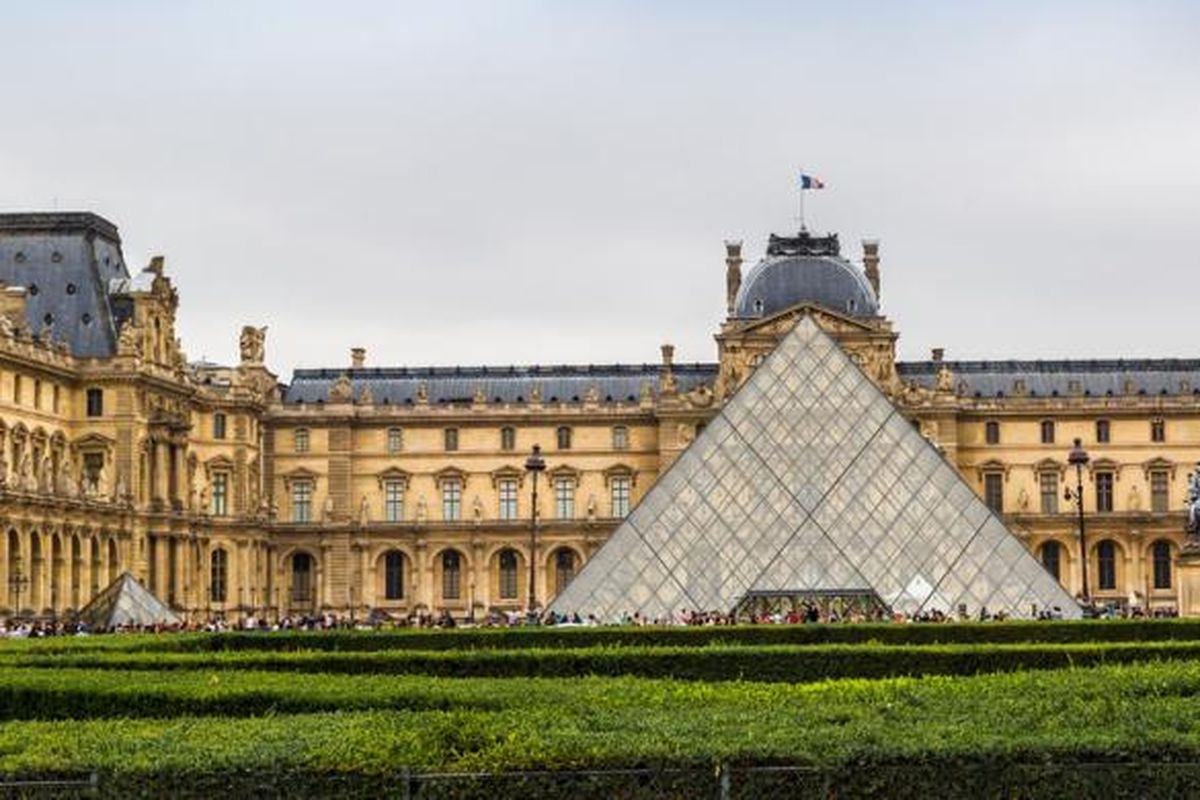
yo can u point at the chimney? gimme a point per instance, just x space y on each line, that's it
666 379
871 263
156 265
358 357
733 272
938 353
668 356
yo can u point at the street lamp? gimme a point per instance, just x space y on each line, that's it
535 464
17 582
1079 458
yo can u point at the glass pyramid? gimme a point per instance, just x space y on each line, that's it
126 602
810 480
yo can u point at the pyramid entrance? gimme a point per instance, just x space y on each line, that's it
809 480
818 605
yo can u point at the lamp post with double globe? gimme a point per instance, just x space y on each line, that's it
534 464
1078 458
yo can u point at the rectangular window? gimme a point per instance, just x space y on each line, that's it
1104 491
620 438
1160 491
1048 484
991 432
1158 431
54 397
450 438
220 494
95 402
993 491
395 440
508 438
393 501
1048 431
620 495
508 498
564 438
1102 431
452 499
17 390
218 425
302 492
37 394
564 498
300 440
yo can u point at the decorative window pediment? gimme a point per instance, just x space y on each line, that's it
620 471
564 471
1105 465
993 466
1050 465
450 474
507 473
394 475
220 463
1159 465
298 474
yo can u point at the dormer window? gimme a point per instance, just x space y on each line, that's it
758 307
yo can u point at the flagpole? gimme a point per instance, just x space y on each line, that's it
800 189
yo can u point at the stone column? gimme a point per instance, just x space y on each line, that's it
423 577
366 584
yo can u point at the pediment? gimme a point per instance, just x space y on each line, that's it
831 322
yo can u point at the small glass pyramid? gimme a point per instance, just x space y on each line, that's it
125 602
810 481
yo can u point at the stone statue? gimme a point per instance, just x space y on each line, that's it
477 510
593 394
129 343
1193 504
480 396
341 391
422 392
66 483
422 511
684 434
46 476
253 344
1023 500
25 480
3 469
364 511
365 397
1135 499
327 511
945 379
120 490
591 508
535 394
102 482
203 507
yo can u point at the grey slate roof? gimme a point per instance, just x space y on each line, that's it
780 282
614 382
1094 378
66 262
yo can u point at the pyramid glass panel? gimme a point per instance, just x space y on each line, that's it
809 479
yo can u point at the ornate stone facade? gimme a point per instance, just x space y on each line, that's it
390 490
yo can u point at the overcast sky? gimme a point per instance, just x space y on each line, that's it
548 182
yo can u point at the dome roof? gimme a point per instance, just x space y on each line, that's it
782 281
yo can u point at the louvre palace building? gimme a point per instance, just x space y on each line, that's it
358 488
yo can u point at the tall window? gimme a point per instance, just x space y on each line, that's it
451 575
620 436
37 393
220 494
1052 559
1160 491
393 501
218 586
302 492
1104 491
1158 430
300 440
450 439
1048 485
1047 431
302 570
395 440
95 400
452 500
17 391
564 569
620 495
508 438
563 437
564 498
393 575
508 498
218 425
508 575
54 399
1102 431
1106 555
1162 565
991 432
993 491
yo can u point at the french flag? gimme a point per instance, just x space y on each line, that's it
811 182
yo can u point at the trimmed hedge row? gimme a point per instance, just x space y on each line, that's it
1059 632
795 664
1026 733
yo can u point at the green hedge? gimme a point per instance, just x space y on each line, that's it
539 638
1035 733
715 663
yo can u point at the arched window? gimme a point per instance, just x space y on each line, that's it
508 575
1161 553
1106 555
302 570
393 575
218 587
451 575
564 569
1052 559
564 438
